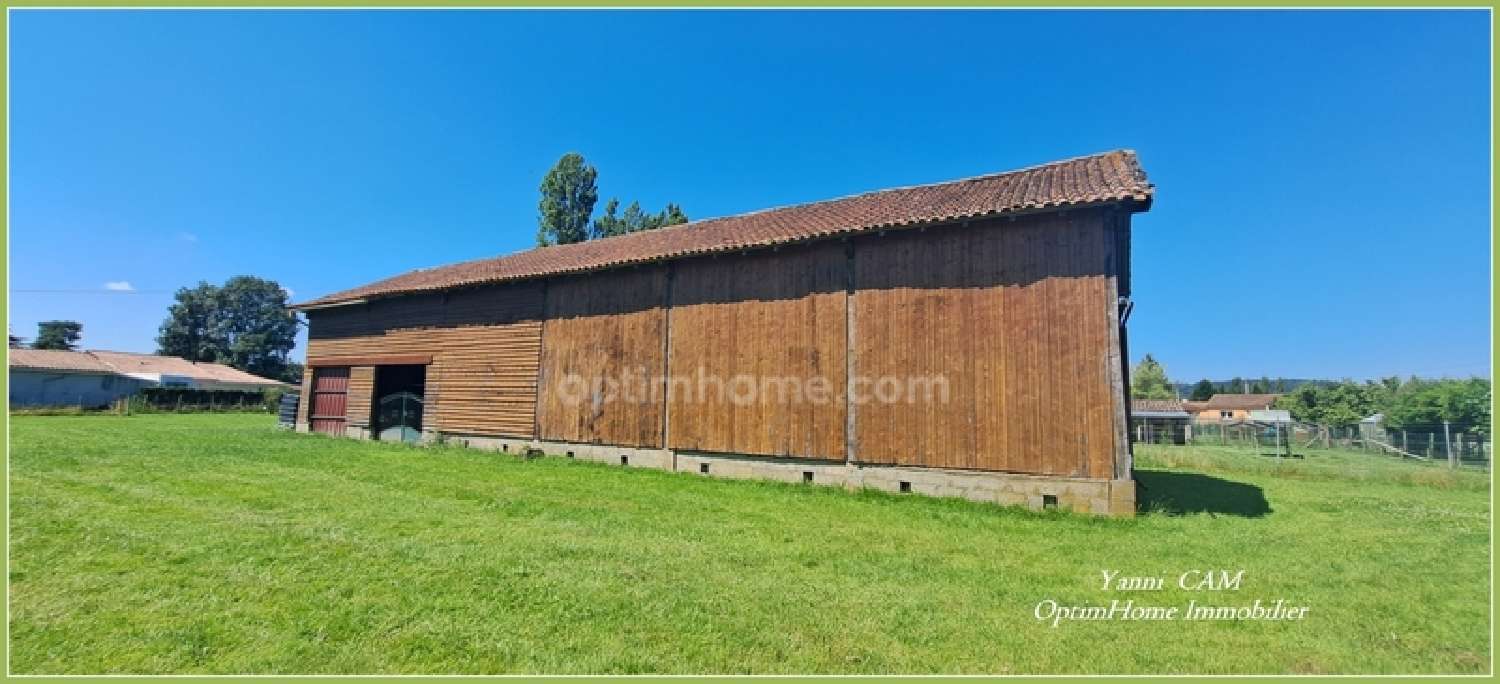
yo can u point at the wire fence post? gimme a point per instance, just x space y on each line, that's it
1448 446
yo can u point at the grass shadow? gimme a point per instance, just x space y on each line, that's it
1187 493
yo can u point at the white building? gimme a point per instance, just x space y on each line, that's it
45 377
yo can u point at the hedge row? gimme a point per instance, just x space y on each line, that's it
183 399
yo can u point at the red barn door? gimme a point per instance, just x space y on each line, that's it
330 397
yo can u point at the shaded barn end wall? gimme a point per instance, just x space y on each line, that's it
483 342
1017 316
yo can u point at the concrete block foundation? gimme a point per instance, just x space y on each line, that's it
1037 492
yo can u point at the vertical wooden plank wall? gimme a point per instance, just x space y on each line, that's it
770 314
1015 318
1012 315
601 328
304 402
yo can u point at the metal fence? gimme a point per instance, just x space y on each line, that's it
1455 443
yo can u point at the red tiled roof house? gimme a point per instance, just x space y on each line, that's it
1231 408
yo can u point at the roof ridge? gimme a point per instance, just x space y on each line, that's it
902 188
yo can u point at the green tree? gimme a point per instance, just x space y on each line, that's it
57 335
293 373
1336 404
569 192
187 331
1203 390
254 326
672 215
1428 403
609 224
244 324
634 219
1148 380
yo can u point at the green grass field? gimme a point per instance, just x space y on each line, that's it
217 544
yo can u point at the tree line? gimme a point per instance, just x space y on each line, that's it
1413 403
1410 403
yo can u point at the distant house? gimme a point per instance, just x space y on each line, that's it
45 377
1372 428
172 371
1271 417
1155 420
1231 408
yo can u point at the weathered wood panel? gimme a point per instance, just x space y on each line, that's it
603 359
304 399
484 343
992 346
743 331
361 394
1013 319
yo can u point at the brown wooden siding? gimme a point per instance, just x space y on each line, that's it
1014 319
484 344
361 394
1015 316
763 315
304 399
602 359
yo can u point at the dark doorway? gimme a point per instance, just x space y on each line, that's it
399 396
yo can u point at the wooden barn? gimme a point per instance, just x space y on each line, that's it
963 338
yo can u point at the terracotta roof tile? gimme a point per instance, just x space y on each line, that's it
1241 402
1102 178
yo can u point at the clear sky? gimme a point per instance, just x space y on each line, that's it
1322 177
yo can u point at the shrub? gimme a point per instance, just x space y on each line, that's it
189 400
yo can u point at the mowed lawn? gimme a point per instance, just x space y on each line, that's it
217 544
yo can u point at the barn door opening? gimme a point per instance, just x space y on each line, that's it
330 398
399 398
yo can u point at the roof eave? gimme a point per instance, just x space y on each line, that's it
314 305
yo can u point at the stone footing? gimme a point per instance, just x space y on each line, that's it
1083 495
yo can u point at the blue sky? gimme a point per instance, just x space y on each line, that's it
1323 177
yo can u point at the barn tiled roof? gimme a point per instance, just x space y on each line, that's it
1102 178
1240 402
58 360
